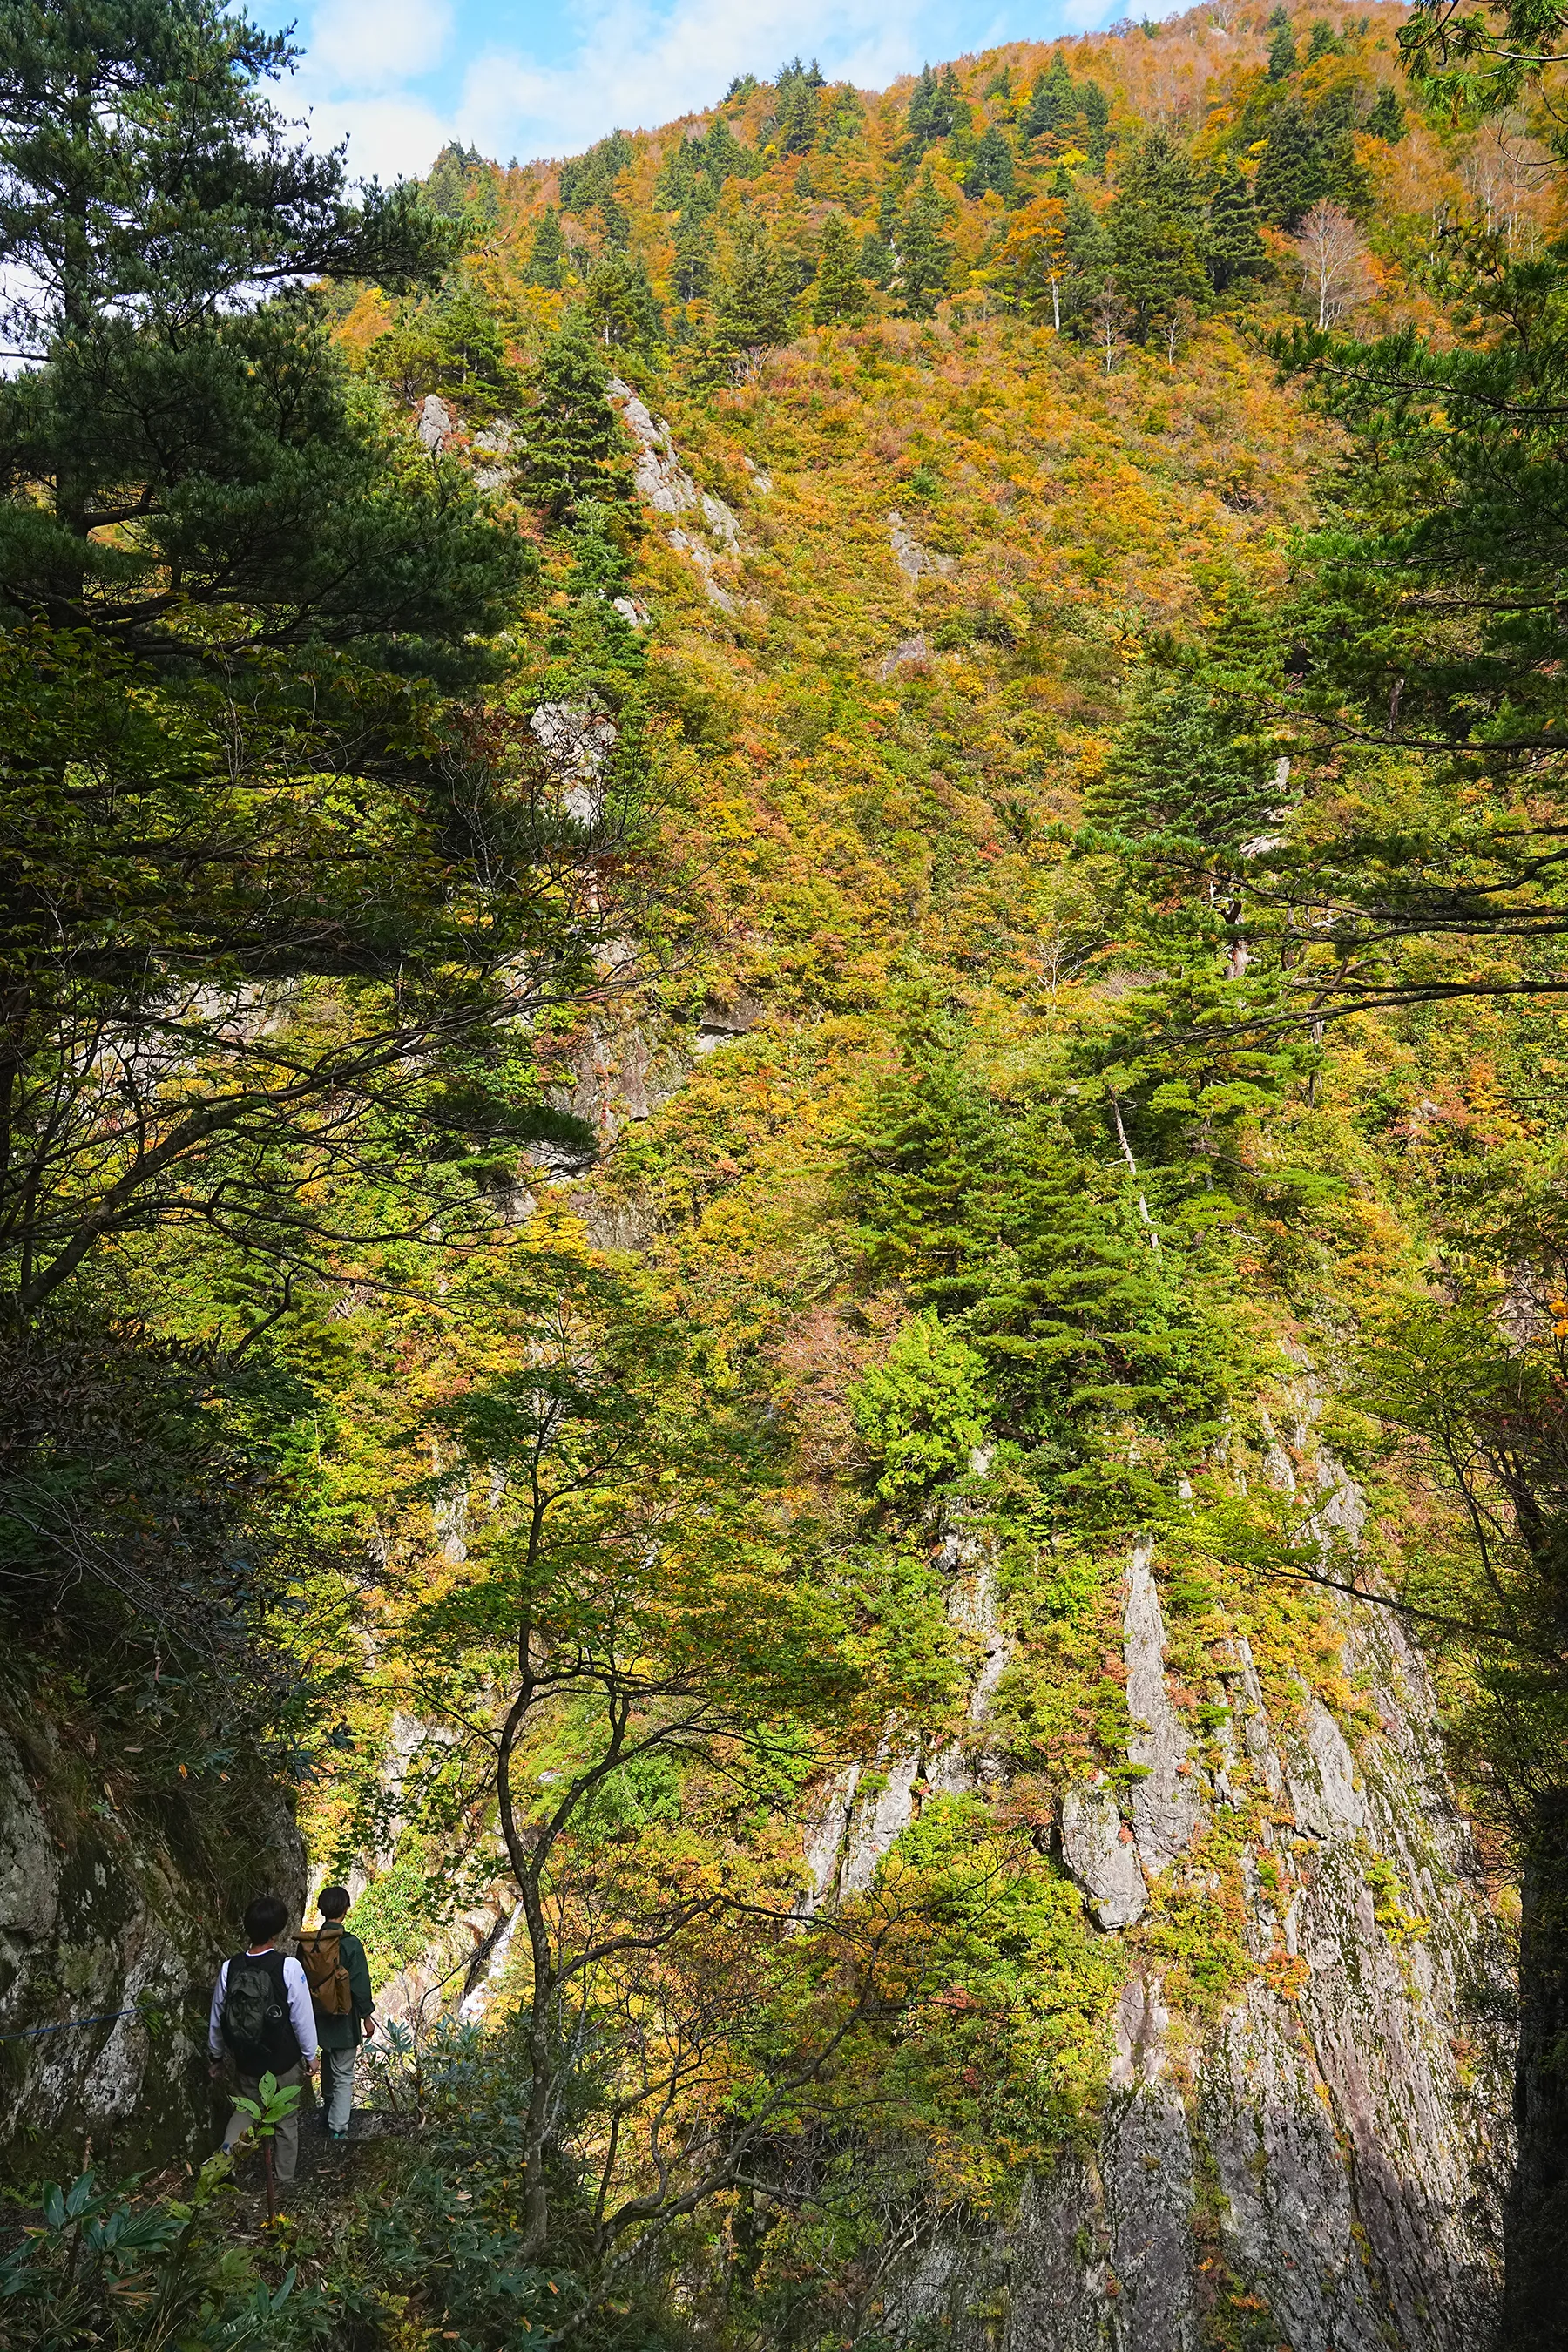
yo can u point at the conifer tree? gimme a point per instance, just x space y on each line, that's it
1387 120
1053 102
576 447
1235 248
840 298
991 167
693 255
547 259
925 251
933 108
1282 54
1292 174
753 298
620 300
1096 114
795 119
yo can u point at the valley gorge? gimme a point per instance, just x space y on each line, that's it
785 1218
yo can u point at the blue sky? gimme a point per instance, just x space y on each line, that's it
402 76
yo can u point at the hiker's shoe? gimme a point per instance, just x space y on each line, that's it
336 2135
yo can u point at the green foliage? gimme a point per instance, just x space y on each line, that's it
921 1412
933 108
990 169
840 294
1282 55
753 300
547 257
1293 173
577 450
1234 249
926 257
1386 118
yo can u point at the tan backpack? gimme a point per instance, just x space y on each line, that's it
325 1972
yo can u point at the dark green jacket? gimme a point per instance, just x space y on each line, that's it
348 2033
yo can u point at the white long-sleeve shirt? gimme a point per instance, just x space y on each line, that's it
301 2016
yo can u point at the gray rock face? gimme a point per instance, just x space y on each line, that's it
1351 2141
664 484
1099 1849
1320 2165
96 1916
911 558
1167 1804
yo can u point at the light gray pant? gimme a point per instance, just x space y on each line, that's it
286 2135
338 2086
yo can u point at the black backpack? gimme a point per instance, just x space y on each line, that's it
255 2022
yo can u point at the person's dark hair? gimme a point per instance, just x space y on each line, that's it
265 1919
333 1902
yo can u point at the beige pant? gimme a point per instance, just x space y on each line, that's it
286 2135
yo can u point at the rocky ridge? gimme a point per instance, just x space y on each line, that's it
1322 2165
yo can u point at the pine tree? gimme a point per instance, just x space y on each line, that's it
922 114
795 116
620 300
1292 174
1097 115
1053 103
693 256
991 169
1235 248
547 259
1282 55
189 467
752 303
1387 120
925 252
878 260
575 449
841 297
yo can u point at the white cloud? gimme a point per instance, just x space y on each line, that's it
389 138
372 67
360 45
637 67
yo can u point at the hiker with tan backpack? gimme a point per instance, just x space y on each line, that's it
338 1974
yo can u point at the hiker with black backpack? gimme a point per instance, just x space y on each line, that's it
337 1974
262 2017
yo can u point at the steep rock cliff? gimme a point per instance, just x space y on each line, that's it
1319 2161
103 1909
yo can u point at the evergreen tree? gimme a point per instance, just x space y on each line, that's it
446 184
1292 174
615 226
1282 55
576 447
1156 224
1322 42
724 156
1387 120
188 467
620 300
1234 247
1089 259
795 116
878 261
991 167
1180 772
547 259
840 297
693 256
933 108
1097 115
1053 103
454 345
925 251
751 305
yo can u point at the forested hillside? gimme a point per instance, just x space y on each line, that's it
782 1196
